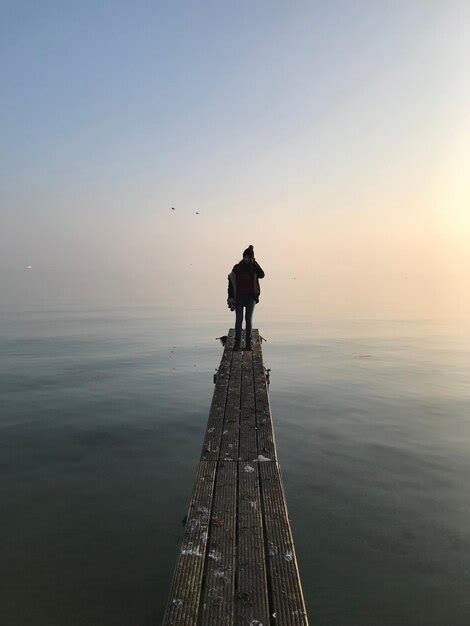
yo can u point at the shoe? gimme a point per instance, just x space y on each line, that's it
248 345
236 346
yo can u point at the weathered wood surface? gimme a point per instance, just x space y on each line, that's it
183 604
237 562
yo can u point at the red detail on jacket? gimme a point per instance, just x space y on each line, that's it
245 280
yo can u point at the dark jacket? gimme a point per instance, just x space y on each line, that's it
232 281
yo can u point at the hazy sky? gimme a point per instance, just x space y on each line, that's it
333 136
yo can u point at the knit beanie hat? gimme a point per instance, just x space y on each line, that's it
249 252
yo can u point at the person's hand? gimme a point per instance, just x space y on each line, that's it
231 303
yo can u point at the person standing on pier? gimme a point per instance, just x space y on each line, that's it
243 293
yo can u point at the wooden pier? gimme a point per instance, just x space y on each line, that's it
237 563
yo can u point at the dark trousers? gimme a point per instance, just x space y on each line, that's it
244 301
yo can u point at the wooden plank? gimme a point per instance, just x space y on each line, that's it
217 608
231 425
264 425
248 444
211 445
287 602
252 606
184 598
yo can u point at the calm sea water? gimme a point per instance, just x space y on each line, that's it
102 419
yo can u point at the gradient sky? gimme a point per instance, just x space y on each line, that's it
333 136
